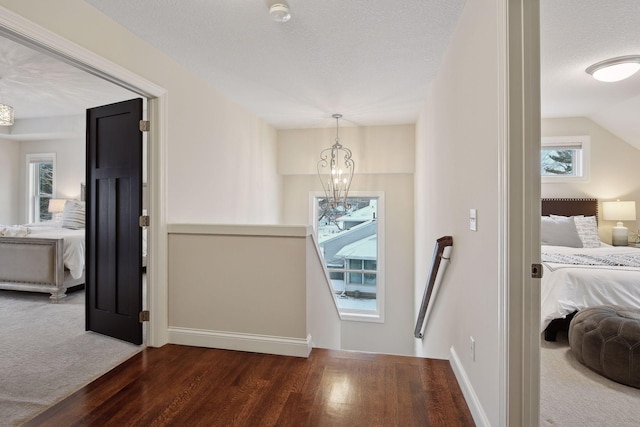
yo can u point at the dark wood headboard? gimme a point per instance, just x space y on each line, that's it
568 207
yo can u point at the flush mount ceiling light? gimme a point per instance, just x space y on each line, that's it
615 69
279 12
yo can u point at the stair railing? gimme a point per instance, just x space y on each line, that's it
432 285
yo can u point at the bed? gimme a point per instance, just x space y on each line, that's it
44 257
583 273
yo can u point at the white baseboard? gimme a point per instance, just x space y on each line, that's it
284 346
469 393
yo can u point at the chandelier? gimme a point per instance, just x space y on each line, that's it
335 169
6 113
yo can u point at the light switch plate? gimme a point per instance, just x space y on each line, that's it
473 219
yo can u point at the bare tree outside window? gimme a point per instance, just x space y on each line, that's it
40 185
557 162
45 190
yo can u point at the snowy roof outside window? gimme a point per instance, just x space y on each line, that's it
366 248
363 214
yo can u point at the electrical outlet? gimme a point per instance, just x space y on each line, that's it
472 348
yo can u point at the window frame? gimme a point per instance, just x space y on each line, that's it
33 187
378 315
582 144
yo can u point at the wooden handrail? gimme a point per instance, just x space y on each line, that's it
438 252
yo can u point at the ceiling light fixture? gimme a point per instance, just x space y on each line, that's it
335 170
6 113
279 12
615 69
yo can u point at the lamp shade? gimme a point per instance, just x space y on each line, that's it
619 211
6 115
56 205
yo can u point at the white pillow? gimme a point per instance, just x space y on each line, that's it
73 215
559 231
588 231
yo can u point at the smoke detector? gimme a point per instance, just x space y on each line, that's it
279 12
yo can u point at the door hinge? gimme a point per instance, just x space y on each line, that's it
536 271
144 316
145 125
144 220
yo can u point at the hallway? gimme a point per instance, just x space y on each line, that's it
179 385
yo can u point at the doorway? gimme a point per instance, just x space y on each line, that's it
23 31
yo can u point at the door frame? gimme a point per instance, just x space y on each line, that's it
519 213
21 30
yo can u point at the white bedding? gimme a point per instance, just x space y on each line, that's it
567 288
74 242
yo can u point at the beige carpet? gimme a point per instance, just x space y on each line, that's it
573 395
46 354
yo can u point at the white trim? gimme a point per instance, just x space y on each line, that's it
475 407
17 28
29 176
503 224
583 164
519 244
285 346
529 233
242 230
158 246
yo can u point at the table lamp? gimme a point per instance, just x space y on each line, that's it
619 211
56 206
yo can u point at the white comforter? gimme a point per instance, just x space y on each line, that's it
73 256
567 288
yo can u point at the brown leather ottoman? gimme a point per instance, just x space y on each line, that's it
607 339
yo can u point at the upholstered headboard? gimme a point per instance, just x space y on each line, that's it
568 207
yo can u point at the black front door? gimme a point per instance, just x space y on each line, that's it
114 205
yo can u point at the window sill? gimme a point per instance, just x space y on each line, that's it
361 317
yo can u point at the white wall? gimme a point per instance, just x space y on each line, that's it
221 158
9 182
457 137
384 162
70 168
615 168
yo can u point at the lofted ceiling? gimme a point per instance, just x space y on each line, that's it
370 60
575 34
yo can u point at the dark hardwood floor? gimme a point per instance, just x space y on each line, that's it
191 386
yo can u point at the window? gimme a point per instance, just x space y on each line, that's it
40 185
564 159
352 246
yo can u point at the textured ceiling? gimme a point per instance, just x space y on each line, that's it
579 33
367 59
370 60
37 85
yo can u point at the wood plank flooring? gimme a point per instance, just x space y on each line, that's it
190 386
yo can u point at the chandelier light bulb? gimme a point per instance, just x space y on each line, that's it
335 170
